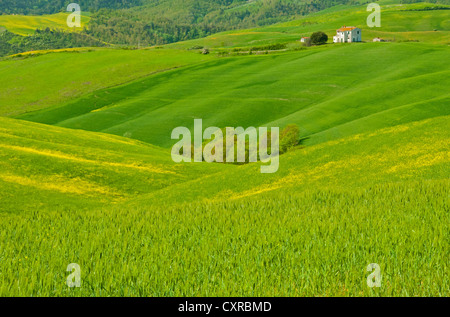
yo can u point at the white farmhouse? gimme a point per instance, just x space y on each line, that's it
347 34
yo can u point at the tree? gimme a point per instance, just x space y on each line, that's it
289 138
319 38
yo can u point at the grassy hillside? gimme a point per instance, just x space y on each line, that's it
156 22
399 22
329 92
27 24
40 82
48 168
401 154
86 174
309 230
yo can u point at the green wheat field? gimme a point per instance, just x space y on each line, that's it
86 174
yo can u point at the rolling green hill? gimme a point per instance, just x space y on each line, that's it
53 79
162 22
86 174
329 92
310 229
50 168
156 22
405 153
400 22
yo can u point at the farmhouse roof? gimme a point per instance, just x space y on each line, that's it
346 28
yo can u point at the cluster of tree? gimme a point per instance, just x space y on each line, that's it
289 139
11 43
319 38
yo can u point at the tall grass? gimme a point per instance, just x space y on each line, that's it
314 235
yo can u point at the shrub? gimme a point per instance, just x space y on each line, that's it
319 38
289 138
223 53
270 47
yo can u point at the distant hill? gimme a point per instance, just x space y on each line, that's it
151 22
40 79
142 23
423 22
329 92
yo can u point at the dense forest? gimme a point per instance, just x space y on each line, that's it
168 21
